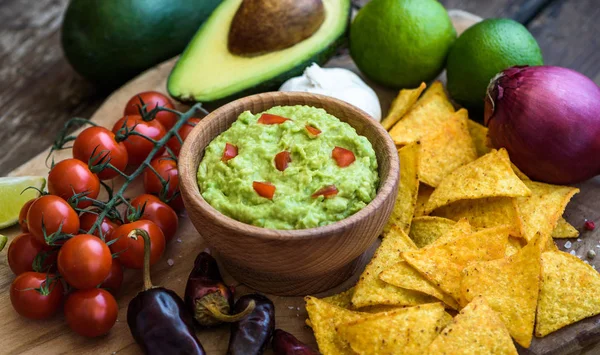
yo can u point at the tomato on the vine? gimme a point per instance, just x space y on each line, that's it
100 142
72 176
112 283
22 251
184 131
152 99
138 147
87 220
158 212
130 245
167 169
84 261
53 213
23 215
92 312
35 295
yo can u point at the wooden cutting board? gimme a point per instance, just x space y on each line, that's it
19 335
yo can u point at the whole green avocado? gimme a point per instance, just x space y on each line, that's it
110 41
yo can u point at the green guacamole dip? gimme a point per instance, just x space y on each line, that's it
228 185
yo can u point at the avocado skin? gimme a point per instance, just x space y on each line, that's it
110 41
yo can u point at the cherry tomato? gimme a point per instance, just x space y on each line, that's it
22 251
167 168
23 215
230 152
87 220
72 176
130 246
264 189
267 118
158 212
184 131
84 261
55 213
92 312
138 147
112 283
99 141
35 298
327 192
342 156
152 99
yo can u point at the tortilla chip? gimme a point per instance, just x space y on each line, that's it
443 263
485 213
424 230
404 331
519 173
460 229
513 246
323 319
436 88
480 139
510 286
476 330
371 291
422 198
402 103
540 211
342 299
563 229
488 176
568 292
408 187
447 149
431 111
405 276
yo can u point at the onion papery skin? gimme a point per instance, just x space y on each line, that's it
548 119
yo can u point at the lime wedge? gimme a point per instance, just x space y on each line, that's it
12 196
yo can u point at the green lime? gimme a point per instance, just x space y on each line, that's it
13 196
401 43
483 51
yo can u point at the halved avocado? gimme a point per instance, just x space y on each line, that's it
208 72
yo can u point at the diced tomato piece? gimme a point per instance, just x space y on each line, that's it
264 189
282 159
267 118
313 131
230 152
327 191
343 157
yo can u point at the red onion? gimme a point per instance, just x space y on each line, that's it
548 119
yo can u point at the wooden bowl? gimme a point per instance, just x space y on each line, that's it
289 262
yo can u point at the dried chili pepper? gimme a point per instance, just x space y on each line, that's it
157 317
285 343
251 335
206 295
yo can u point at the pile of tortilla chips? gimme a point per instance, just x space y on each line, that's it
467 260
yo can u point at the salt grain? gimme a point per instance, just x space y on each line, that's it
573 252
568 244
290 307
170 262
578 239
179 240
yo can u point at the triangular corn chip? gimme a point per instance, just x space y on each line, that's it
442 264
408 186
510 286
519 173
479 135
371 291
450 147
540 211
513 246
488 176
424 230
569 292
564 229
476 330
460 229
402 103
422 198
404 331
342 299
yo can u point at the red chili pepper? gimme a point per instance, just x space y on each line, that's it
327 191
313 131
267 118
343 157
230 152
264 189
282 160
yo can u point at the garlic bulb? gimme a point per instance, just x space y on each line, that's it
339 83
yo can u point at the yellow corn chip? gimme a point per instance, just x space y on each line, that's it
460 229
519 173
485 213
422 198
426 116
513 246
371 291
479 134
445 150
568 292
442 264
402 103
408 186
436 88
488 176
540 211
564 229
424 230
510 286
405 276
404 331
476 330
342 299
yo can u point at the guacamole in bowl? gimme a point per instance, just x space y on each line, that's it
290 167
